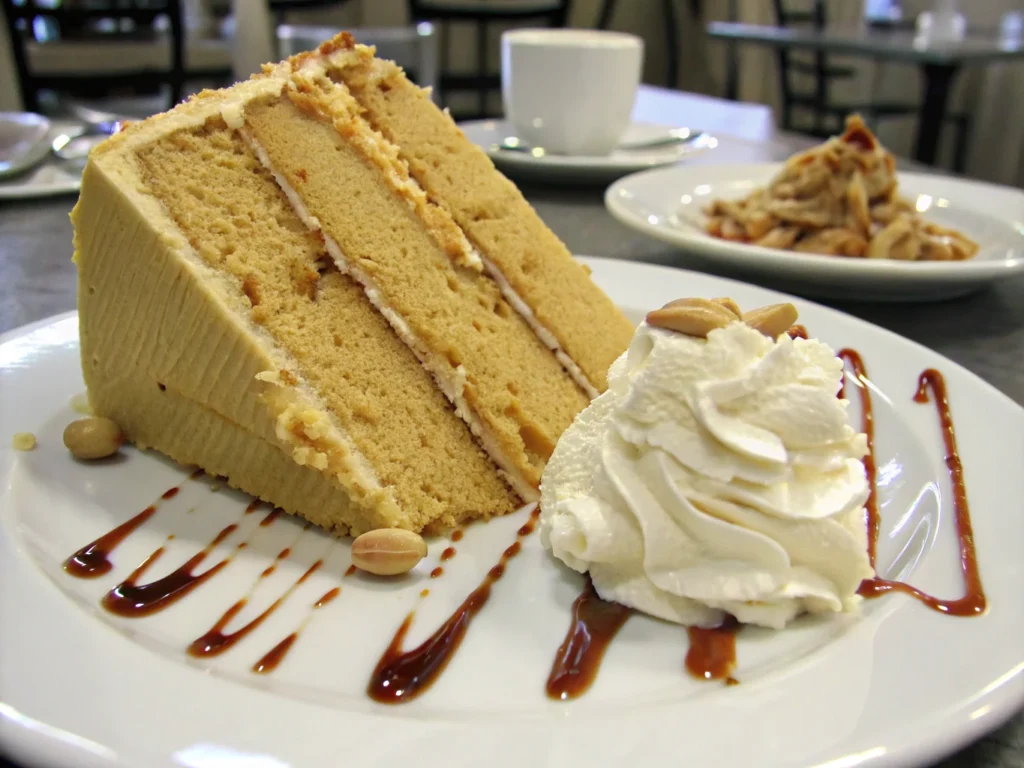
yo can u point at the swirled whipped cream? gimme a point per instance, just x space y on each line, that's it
715 476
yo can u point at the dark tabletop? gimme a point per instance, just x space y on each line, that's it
983 332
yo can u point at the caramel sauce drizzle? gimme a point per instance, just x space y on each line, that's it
712 652
270 661
595 622
867 426
973 602
93 560
216 641
133 600
400 675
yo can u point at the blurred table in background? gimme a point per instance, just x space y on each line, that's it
939 63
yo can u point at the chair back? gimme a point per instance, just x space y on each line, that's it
413 48
79 48
817 69
481 15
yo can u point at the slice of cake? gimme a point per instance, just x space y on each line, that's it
265 291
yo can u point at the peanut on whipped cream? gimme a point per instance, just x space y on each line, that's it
715 476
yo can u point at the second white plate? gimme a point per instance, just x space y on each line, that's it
666 204
582 169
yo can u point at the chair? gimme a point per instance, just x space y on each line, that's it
828 115
696 8
481 14
412 48
280 8
89 49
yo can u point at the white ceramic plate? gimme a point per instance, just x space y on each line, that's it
666 204
23 141
48 178
900 685
582 169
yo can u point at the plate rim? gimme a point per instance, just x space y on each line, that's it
30 736
579 163
834 267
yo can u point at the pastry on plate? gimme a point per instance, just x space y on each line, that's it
312 284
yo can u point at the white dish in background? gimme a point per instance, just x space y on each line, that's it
901 685
53 177
23 141
583 169
548 100
49 177
667 205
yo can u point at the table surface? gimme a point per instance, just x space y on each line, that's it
984 332
876 43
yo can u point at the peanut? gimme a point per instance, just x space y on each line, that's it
93 438
388 551
693 317
773 320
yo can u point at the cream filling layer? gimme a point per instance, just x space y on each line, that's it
451 382
547 338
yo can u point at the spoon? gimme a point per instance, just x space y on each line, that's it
672 137
77 143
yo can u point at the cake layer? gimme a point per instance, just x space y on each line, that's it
526 257
239 222
348 184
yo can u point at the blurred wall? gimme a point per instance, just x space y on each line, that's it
10 97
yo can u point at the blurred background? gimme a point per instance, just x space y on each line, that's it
949 98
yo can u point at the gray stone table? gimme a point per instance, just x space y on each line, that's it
984 332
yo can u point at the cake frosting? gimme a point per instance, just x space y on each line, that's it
714 476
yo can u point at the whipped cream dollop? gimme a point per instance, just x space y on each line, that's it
714 476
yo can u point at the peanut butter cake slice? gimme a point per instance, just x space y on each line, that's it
265 292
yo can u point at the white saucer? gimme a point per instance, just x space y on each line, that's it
51 177
23 141
900 685
582 169
667 204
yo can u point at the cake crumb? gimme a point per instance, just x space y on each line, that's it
24 441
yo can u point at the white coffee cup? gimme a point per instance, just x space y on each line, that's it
570 91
